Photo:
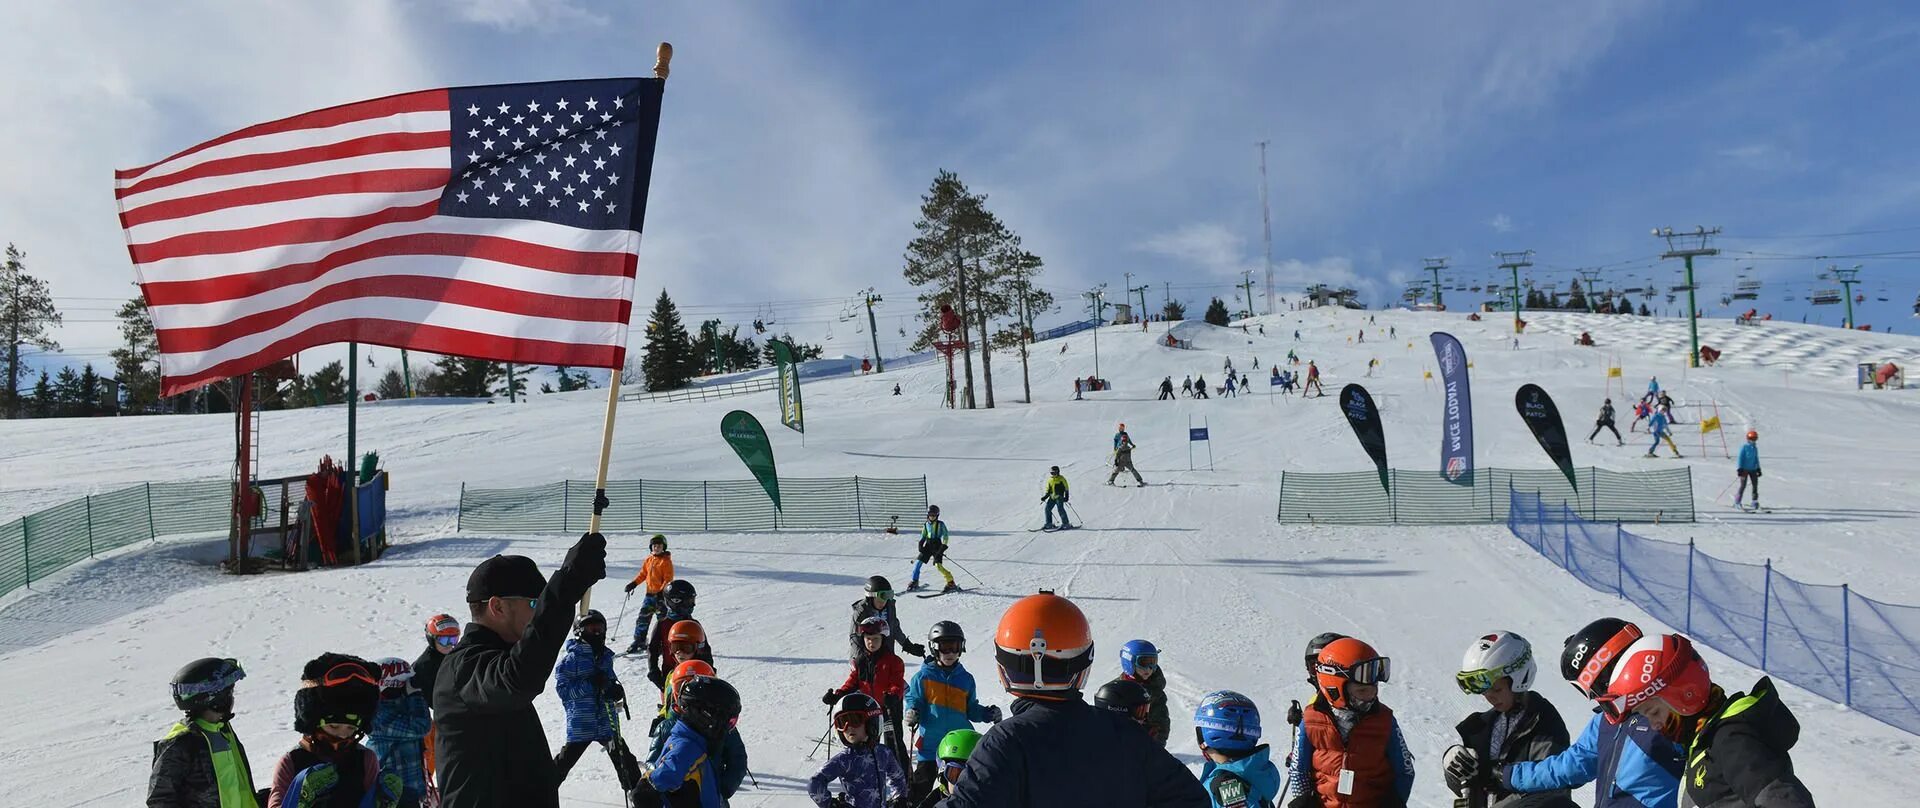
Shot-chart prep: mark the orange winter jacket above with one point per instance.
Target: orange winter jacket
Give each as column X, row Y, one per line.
column 655, row 573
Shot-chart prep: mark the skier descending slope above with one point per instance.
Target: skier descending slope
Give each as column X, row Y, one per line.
column 879, row 601
column 1123, row 447
column 933, row 547
column 1749, row 470
column 1056, row 499
column 1057, row 750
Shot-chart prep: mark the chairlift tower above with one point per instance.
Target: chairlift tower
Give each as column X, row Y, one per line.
column 1685, row 246
column 1846, row 278
column 1266, row 228
column 1434, row 265
column 1514, row 262
column 870, row 298
column 1590, row 277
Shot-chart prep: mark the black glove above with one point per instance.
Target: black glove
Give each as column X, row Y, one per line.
column 631, row 585
column 658, row 678
column 1307, row 799
column 586, row 564
column 1294, row 716
column 916, row 650
column 600, row 501
column 831, row 697
column 614, row 693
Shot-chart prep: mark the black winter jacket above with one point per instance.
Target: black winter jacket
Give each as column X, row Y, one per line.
column 183, row 775
column 863, row 609
column 1739, row 756
column 1540, row 734
column 490, row 749
column 1066, row 753
column 425, row 669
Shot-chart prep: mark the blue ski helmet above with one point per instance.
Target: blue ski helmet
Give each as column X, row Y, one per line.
column 1133, row 650
column 1227, row 721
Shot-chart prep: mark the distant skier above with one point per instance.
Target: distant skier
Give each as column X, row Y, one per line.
column 1056, row 498
column 933, row 547
column 1123, row 447
column 1665, row 404
column 1231, row 387
column 1658, row 426
column 1256, row 363
column 655, row 573
column 1186, row 387
column 1642, row 410
column 896, row 389
column 1605, row 421
column 1313, row 380
column 1166, row 388
column 1200, row 387
column 1749, row 470
column 1653, row 387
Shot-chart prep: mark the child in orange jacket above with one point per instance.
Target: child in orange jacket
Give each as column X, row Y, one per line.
column 655, row 573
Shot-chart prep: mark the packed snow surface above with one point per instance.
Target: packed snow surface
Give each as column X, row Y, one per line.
column 1195, row 562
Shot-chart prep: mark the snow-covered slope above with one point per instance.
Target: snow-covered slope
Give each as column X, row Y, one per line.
column 1197, row 565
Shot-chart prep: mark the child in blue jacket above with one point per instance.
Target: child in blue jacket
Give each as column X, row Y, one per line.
column 591, row 694
column 941, row 698
column 1238, row 772
column 686, row 773
column 1631, row 764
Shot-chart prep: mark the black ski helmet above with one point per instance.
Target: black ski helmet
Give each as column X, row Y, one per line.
column 1124, row 696
column 857, row 702
column 1313, row 654
column 933, row 511
column 206, row 684
column 1582, row 647
column 943, row 631
column 878, row 583
column 679, row 596
column 709, row 705
column 592, row 617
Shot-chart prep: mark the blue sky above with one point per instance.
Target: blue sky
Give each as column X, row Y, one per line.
column 1115, row 137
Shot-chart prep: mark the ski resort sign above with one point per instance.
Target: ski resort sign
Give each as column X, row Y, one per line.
column 1456, row 425
column 1543, row 419
column 748, row 438
column 791, row 416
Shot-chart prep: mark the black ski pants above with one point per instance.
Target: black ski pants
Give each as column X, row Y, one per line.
column 1606, row 425
column 624, row 765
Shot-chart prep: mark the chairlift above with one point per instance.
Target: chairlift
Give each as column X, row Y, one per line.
column 1683, row 287
column 1826, row 297
column 1746, row 295
column 1748, row 286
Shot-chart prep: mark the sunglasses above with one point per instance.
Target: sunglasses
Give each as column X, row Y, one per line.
column 347, row 672
column 446, row 642
column 1474, row 683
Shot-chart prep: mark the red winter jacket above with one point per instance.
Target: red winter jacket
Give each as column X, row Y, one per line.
column 877, row 675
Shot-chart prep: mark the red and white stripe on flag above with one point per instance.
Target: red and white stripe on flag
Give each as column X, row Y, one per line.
column 499, row 222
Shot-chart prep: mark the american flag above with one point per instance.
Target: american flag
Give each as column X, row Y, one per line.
column 498, row 222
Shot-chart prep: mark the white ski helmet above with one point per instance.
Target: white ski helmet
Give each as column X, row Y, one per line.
column 1502, row 653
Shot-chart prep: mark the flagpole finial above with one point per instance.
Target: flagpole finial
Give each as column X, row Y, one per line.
column 663, row 61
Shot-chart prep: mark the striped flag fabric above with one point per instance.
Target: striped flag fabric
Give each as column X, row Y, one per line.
column 497, row 222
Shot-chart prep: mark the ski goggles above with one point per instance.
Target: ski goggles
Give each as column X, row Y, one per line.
column 1474, row 683
column 1366, row 672
column 1148, row 661
column 228, row 675
column 445, row 641
column 1588, row 680
column 347, row 672
column 951, row 769
column 881, row 594
column 853, row 718
column 949, row 646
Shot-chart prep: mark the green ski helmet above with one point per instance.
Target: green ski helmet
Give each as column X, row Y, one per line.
column 958, row 744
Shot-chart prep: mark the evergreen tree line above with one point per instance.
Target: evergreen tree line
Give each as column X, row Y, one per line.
column 672, row 357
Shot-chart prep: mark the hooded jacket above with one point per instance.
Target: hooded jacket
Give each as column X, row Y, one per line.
column 945, row 699
column 1055, row 753
column 1631, row 764
column 685, row 763
column 581, row 680
column 1739, row 757
column 1250, row 782
column 1538, row 734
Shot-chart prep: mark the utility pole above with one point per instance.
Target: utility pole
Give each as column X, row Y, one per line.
column 712, row 327
column 1591, row 277
column 1434, row 265
column 1266, row 228
column 1514, row 262
column 1846, row 278
column 1127, row 299
column 1167, row 288
column 1142, row 291
column 1247, row 284
column 1686, row 246
column 871, row 298
column 1097, row 301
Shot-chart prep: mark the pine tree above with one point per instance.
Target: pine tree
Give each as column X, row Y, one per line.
column 136, row 363
column 27, row 317
column 43, row 403
column 460, row 377
column 1577, row 298
column 571, row 379
column 392, row 385
column 87, row 404
column 1644, row 312
column 512, row 385
column 1174, row 310
column 66, row 393
column 938, row 258
column 1217, row 313
column 328, row 385
column 669, row 360
column 801, row 351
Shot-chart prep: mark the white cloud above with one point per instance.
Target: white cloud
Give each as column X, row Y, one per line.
column 1501, row 223
column 517, row 14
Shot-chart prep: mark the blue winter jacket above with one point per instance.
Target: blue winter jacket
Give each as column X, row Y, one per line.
column 731, row 768
column 1056, row 753
column 1659, row 424
column 1749, row 457
column 1630, row 764
column 1250, row 782
column 870, row 773
column 946, row 700
column 398, row 739
column 684, row 762
column 589, row 716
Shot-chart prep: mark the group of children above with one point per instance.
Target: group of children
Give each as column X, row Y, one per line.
column 1656, row 408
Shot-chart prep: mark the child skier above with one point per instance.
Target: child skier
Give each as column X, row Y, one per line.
column 1522, row 725
column 1140, row 662
column 400, row 726
column 591, row 694
column 443, row 633
column 1351, row 751
column 1200, row 387
column 731, row 766
column 686, row 640
column 1237, row 772
column 1127, row 697
column 940, row 699
column 655, row 573
column 686, row 772
column 1186, row 387
column 1737, row 746
column 1123, row 447
column 879, row 601
column 868, row 773
column 1749, row 470
column 1605, row 421
column 1658, row 426
column 933, row 547
column 879, row 673
column 1056, row 499
column 676, row 604
column 954, row 751
column 1313, row 380
column 663, row 720
column 200, row 763
column 332, row 711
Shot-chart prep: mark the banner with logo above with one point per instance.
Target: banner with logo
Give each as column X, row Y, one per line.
column 1456, row 413
column 749, row 440
column 1543, row 418
column 1364, row 417
column 791, row 415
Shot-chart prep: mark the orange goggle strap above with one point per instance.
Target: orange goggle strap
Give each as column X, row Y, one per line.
column 347, row 672
column 1597, row 664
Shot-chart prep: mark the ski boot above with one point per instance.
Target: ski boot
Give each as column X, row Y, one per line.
column 950, row 587
column 914, row 586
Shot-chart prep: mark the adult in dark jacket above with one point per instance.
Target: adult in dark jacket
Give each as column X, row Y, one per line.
column 1056, row 750
column 1522, row 725
column 1738, row 758
column 880, row 601
column 491, row 750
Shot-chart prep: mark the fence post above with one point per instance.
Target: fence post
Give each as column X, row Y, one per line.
column 26, row 548
column 460, row 511
column 1766, row 598
column 90, row 526
column 154, row 535
column 859, row 516
column 705, row 506
column 1846, row 639
column 566, row 503
column 1566, row 537
column 1689, row 625
column 1619, row 562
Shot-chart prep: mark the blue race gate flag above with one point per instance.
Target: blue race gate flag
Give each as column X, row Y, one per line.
column 1197, row 433
column 1456, row 423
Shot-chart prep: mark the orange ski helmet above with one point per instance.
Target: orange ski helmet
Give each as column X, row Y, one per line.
column 1348, row 661
column 1044, row 647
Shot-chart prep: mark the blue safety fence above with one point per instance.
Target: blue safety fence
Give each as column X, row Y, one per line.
column 1847, row 647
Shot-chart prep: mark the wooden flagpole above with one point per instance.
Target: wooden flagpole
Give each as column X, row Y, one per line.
column 661, row 66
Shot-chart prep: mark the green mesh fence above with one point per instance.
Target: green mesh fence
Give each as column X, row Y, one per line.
column 1429, row 498
column 674, row 506
column 37, row 545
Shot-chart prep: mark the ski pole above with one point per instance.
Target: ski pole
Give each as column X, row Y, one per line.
column 826, row 738
column 976, row 578
column 623, row 611
column 1286, row 785
column 1076, row 513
